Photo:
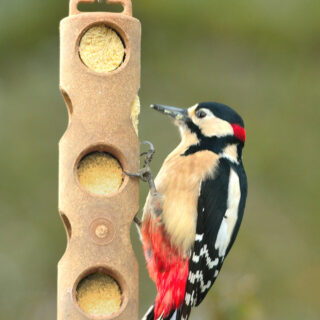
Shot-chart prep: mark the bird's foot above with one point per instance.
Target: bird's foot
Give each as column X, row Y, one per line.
column 145, row 173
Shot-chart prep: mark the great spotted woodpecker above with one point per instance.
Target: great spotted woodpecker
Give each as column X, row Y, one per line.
column 194, row 208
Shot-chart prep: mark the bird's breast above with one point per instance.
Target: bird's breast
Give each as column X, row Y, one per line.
column 179, row 182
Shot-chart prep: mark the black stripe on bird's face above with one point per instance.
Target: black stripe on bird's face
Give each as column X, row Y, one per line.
column 215, row 125
column 215, row 120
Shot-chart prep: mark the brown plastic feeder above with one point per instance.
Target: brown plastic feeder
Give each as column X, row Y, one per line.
column 99, row 80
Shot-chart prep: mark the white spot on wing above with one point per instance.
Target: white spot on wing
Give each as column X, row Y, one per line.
column 199, row 237
column 196, row 277
column 205, row 286
column 204, row 252
column 187, row 298
column 195, row 258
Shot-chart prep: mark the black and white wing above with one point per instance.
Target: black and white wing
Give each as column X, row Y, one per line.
column 220, row 210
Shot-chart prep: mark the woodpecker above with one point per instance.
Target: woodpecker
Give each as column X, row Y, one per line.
column 194, row 208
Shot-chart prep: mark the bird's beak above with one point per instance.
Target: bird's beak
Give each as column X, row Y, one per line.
column 176, row 113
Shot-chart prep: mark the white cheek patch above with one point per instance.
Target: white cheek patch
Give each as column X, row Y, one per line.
column 210, row 125
column 215, row 127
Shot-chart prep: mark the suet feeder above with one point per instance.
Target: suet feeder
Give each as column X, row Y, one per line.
column 99, row 80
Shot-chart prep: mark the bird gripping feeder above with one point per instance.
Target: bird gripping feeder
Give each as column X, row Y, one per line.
column 99, row 80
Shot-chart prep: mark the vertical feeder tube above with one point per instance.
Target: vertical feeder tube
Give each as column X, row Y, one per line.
column 99, row 80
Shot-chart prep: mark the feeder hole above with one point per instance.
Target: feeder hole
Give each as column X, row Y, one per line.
column 100, row 173
column 67, row 101
column 101, row 49
column 67, row 225
column 99, row 294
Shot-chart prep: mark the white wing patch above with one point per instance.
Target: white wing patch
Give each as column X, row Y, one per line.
column 198, row 276
column 195, row 258
column 231, row 215
column 204, row 252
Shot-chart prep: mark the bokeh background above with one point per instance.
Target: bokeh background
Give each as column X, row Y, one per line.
column 260, row 57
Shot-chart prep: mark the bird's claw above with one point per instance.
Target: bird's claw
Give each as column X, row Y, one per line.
column 149, row 154
column 145, row 173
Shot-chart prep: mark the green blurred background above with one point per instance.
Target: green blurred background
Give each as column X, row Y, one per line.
column 260, row 57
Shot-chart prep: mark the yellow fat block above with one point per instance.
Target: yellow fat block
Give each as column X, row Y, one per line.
column 101, row 49
column 99, row 294
column 135, row 111
column 100, row 173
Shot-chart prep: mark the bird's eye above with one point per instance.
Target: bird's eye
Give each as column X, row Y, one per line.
column 201, row 114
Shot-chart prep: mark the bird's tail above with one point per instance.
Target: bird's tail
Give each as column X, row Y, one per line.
column 175, row 315
column 149, row 314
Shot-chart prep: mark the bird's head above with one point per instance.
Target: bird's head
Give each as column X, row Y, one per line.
column 209, row 125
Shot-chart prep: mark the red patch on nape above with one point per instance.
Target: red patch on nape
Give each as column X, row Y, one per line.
column 239, row 132
column 167, row 268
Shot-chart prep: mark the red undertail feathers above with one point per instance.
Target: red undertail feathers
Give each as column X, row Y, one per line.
column 167, row 268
